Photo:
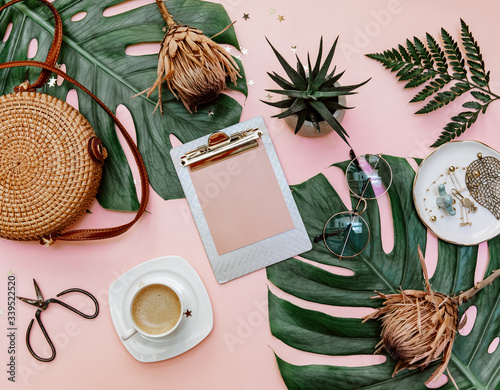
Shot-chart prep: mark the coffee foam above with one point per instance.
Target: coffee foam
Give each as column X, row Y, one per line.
column 156, row 309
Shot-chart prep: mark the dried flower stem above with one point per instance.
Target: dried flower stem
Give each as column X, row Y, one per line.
column 419, row 327
column 164, row 13
column 193, row 66
column 465, row 296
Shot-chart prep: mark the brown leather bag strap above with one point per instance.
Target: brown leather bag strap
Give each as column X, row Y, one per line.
column 54, row 50
column 96, row 234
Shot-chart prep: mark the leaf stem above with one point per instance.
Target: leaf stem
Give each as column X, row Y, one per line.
column 488, row 91
column 465, row 296
column 164, row 12
column 466, row 371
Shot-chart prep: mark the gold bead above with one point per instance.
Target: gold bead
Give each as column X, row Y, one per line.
column 452, row 169
column 433, row 218
column 476, row 174
column 480, row 155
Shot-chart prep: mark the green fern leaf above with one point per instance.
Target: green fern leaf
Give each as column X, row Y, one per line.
column 424, row 53
column 485, row 98
column 414, row 54
column 404, row 53
column 451, row 49
column 473, row 105
column 456, row 128
column 382, row 58
column 407, row 68
column 474, row 56
column 412, row 73
column 433, row 87
column 417, row 81
column 460, row 88
column 437, row 54
column 439, row 100
column 433, row 67
column 478, row 74
column 396, row 55
column 479, row 81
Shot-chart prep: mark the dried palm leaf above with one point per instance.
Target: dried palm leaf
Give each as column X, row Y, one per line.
column 419, row 327
column 193, row 66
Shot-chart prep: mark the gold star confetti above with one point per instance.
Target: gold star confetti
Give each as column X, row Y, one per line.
column 271, row 11
column 52, row 82
column 281, row 18
column 246, row 16
column 269, row 96
column 188, row 313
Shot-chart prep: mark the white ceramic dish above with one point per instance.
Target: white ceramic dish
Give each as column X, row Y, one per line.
column 176, row 271
column 484, row 225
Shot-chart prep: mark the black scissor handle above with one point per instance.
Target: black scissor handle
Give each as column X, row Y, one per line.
column 79, row 290
column 49, row 341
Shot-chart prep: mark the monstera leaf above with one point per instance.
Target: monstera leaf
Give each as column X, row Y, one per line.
column 93, row 52
column 471, row 365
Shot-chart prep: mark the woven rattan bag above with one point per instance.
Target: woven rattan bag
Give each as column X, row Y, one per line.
column 51, row 161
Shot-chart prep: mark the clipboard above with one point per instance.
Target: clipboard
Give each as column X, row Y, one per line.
column 240, row 200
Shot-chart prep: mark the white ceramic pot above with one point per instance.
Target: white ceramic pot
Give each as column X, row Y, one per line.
column 308, row 129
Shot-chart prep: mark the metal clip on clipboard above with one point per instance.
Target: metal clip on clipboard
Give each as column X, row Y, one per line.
column 220, row 147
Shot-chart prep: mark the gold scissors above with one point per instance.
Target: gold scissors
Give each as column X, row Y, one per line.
column 42, row 306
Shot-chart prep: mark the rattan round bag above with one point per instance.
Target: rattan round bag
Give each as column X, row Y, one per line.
column 51, row 165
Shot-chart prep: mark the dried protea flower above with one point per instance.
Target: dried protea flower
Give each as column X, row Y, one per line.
column 194, row 67
column 419, row 327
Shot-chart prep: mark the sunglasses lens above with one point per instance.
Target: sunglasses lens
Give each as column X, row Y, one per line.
column 346, row 234
column 364, row 176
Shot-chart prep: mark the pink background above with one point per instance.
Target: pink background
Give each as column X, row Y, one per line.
column 239, row 352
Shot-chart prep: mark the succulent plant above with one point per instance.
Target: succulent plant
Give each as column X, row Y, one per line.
column 312, row 95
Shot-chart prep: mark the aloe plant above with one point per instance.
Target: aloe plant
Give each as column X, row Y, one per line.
column 471, row 365
column 93, row 51
column 437, row 68
column 312, row 95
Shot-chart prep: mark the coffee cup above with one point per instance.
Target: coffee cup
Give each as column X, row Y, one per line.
column 155, row 311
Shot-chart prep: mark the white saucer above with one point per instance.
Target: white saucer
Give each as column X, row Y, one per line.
column 459, row 154
column 177, row 272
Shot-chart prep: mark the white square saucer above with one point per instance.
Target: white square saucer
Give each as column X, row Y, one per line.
column 197, row 322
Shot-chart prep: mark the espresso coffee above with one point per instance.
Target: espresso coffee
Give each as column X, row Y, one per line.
column 156, row 309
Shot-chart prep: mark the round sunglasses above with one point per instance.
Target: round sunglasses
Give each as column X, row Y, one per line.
column 346, row 234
